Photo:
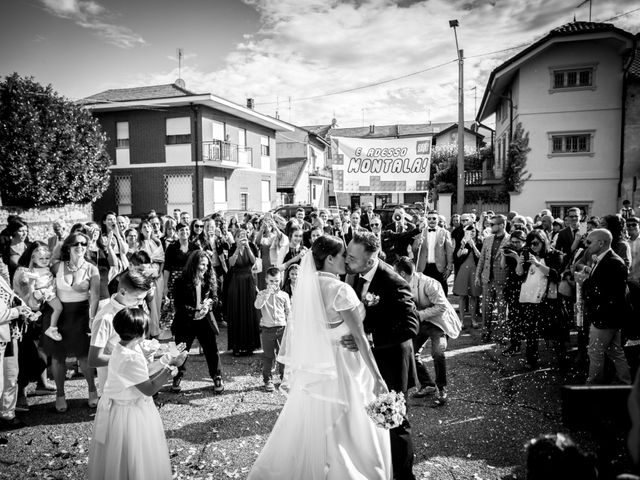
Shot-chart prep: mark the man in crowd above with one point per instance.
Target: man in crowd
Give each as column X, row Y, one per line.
column 60, row 231
column 570, row 238
column 633, row 229
column 438, row 320
column 299, row 221
column 627, row 211
column 433, row 251
column 353, row 228
column 492, row 276
column 367, row 216
column 605, row 306
column 185, row 217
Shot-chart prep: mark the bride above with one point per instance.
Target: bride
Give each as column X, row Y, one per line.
column 323, row 431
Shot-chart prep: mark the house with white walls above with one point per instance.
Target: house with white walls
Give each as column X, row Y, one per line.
column 568, row 91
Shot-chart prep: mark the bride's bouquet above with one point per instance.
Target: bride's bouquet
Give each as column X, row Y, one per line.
column 387, row 410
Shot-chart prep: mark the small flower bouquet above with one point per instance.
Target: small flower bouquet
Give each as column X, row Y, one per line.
column 387, row 410
column 370, row 299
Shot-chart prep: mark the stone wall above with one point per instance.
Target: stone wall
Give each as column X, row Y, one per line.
column 41, row 219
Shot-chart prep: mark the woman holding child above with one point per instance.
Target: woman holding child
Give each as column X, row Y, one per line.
column 78, row 288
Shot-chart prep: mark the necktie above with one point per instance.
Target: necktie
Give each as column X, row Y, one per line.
column 432, row 229
column 360, row 281
column 575, row 232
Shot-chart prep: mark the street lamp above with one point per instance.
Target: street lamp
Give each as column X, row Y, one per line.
column 460, row 196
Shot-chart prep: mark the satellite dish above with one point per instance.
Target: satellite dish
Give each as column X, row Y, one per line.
column 179, row 83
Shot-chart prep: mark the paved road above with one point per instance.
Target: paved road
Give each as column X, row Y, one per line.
column 495, row 407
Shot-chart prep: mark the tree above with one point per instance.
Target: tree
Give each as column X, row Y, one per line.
column 52, row 151
column 444, row 167
column 515, row 173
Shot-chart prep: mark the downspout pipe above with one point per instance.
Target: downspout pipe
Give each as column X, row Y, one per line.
column 625, row 76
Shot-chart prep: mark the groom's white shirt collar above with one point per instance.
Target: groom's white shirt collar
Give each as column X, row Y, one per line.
column 369, row 276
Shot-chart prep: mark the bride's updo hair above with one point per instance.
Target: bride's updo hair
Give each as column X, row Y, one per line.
column 323, row 247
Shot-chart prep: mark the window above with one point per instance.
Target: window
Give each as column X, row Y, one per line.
column 123, row 194
column 178, row 192
column 265, row 195
column 244, row 201
column 178, row 130
column 264, row 146
column 122, row 134
column 576, row 77
column 571, row 143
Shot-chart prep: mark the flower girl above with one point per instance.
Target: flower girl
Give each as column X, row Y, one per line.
column 128, row 439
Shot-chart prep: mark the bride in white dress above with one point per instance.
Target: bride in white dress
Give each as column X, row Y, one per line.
column 323, row 431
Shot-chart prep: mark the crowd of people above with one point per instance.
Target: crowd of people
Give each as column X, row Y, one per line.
column 83, row 292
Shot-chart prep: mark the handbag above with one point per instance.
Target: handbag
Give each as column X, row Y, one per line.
column 534, row 287
column 257, row 266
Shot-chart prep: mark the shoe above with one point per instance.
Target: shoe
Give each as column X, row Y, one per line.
column 11, row 424
column 218, row 386
column 44, row 390
column 442, row 398
column 61, row 404
column 93, row 399
column 22, row 405
column 175, row 386
column 425, row 391
column 52, row 332
column 269, row 386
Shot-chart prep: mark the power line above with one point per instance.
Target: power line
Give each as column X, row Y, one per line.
column 393, row 79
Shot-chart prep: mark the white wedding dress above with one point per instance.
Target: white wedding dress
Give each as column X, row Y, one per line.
column 323, row 431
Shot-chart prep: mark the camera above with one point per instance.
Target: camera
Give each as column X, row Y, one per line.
column 397, row 217
column 508, row 249
column 526, row 252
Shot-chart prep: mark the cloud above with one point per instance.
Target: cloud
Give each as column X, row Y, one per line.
column 93, row 16
column 307, row 50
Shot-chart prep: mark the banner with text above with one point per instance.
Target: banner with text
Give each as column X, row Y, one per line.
column 390, row 165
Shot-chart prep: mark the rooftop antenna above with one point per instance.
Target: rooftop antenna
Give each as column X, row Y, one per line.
column 179, row 64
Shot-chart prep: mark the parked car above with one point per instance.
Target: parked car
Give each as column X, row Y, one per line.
column 288, row 211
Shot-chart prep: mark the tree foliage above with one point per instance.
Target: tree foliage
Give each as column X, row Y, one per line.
column 52, row 151
column 444, row 166
column 515, row 172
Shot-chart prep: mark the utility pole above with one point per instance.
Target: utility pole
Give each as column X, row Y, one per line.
column 460, row 184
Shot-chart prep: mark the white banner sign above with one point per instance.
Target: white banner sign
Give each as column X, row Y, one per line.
column 389, row 165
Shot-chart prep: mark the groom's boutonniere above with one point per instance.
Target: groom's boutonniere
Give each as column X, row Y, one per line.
column 371, row 299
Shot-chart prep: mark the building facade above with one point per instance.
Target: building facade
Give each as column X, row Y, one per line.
column 567, row 92
column 304, row 176
column 174, row 149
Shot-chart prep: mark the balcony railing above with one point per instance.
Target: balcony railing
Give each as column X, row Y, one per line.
column 473, row 177
column 227, row 153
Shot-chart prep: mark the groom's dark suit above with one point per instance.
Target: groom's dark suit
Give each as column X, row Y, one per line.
column 393, row 322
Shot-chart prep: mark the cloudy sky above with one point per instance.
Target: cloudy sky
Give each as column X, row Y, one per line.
column 362, row 61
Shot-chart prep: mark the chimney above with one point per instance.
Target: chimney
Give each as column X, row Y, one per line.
column 250, row 103
column 372, row 129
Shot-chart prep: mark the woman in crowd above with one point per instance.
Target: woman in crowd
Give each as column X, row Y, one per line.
column 175, row 259
column 195, row 297
column 131, row 236
column 233, row 225
column 270, row 241
column 148, row 242
column 18, row 231
column 31, row 362
column 103, row 255
column 242, row 317
column 78, row 288
column 295, row 252
column 196, row 233
column 111, row 234
column 170, row 235
column 218, row 250
column 541, row 315
column 465, row 259
column 509, row 261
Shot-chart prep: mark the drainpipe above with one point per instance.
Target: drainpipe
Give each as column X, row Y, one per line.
column 624, row 114
column 198, row 152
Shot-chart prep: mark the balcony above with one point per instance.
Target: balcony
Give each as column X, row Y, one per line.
column 225, row 154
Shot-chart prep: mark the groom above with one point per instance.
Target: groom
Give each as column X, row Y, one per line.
column 392, row 321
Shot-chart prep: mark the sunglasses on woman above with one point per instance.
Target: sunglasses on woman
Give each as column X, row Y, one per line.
column 79, row 244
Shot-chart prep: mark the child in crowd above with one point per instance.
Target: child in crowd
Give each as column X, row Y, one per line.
column 133, row 287
column 39, row 283
column 276, row 308
column 128, row 438
column 292, row 278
